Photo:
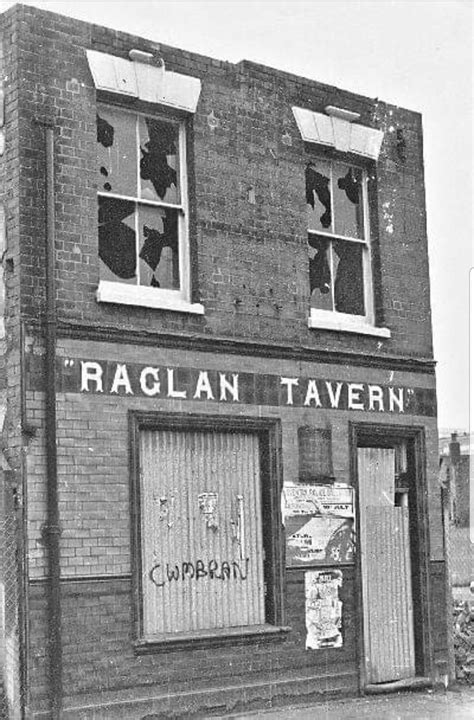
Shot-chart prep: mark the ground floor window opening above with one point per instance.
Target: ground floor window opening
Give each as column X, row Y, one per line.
column 206, row 530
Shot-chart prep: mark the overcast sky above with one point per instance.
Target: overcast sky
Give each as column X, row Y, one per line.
column 414, row 53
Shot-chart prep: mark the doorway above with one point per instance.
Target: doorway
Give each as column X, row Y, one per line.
column 386, row 569
column 392, row 559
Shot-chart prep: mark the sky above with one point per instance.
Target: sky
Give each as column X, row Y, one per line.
column 412, row 53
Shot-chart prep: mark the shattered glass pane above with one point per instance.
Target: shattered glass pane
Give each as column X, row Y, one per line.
column 159, row 250
column 318, row 196
column 117, row 246
column 348, row 277
column 348, row 206
column 159, row 160
column 320, row 273
column 117, row 152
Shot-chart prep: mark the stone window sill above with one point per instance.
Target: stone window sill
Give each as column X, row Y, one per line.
column 246, row 634
column 122, row 294
column 317, row 322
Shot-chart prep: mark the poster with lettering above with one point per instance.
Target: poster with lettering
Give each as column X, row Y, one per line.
column 323, row 609
column 319, row 522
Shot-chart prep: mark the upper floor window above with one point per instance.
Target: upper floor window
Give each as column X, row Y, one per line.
column 143, row 210
column 339, row 245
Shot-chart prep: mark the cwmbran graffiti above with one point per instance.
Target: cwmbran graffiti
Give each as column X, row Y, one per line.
column 197, row 570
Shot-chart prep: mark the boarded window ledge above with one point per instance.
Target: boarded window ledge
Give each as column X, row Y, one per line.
column 112, row 292
column 242, row 635
column 344, row 323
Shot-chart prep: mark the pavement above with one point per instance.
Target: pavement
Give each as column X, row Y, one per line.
column 453, row 704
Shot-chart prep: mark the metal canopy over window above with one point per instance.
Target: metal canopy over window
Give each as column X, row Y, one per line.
column 144, row 81
column 337, row 130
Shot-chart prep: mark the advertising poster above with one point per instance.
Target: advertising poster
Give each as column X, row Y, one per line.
column 319, row 522
column 323, row 609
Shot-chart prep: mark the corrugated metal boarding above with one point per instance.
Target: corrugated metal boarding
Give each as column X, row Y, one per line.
column 201, row 531
column 386, row 572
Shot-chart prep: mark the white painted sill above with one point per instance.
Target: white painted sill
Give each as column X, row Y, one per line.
column 111, row 292
column 341, row 325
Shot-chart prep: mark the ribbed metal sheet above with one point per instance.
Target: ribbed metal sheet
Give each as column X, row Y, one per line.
column 183, row 474
column 376, row 476
column 391, row 646
column 386, row 572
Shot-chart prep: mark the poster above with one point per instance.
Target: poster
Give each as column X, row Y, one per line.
column 319, row 521
column 323, row 609
column 337, row 499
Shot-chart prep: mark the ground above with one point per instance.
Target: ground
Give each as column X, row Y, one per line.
column 455, row 704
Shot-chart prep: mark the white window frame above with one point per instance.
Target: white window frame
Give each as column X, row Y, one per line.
column 140, row 295
column 332, row 319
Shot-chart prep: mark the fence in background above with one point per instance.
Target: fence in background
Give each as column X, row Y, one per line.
column 11, row 687
column 459, row 554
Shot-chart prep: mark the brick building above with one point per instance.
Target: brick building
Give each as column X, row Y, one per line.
column 220, row 442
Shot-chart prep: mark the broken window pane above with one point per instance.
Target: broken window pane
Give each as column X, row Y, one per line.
column 117, row 244
column 117, row 152
column 320, row 273
column 159, row 160
column 139, row 164
column 318, row 196
column 348, row 277
column 347, row 197
column 159, row 250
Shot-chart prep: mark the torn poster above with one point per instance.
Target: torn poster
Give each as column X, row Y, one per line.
column 336, row 500
column 323, row 609
column 319, row 524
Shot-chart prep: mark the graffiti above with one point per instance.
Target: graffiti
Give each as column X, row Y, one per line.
column 208, row 506
column 212, row 570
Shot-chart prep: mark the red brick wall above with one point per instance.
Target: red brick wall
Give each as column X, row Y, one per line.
column 251, row 258
column 93, row 448
column 251, row 275
column 96, row 559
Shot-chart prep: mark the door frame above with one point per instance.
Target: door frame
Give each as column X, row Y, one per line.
column 268, row 430
column 381, row 435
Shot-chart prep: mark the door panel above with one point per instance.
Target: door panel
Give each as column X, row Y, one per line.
column 386, row 572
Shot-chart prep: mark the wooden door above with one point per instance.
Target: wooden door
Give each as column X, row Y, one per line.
column 386, row 571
